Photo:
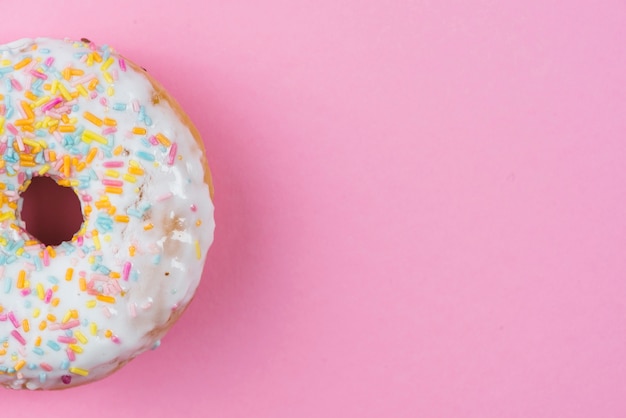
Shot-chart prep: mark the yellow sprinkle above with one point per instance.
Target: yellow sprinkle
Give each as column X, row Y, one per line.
column 75, row 348
column 64, row 92
column 110, row 91
column 89, row 136
column 80, row 337
column 106, row 64
column 26, row 325
column 107, row 77
column 111, row 173
column 40, row 291
column 91, row 304
column 139, row 130
column 66, row 317
column 41, row 101
column 105, row 298
column 19, row 251
column 93, row 329
column 36, row 312
column 44, row 169
column 93, row 118
column 130, row 178
column 198, row 251
column 68, row 274
column 23, row 63
column 51, row 251
column 121, row 218
column 81, row 89
column 79, row 371
column 19, row 365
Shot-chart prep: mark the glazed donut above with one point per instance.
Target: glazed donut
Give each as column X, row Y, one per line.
column 92, row 121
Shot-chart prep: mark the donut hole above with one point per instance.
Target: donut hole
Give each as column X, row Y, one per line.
column 51, row 212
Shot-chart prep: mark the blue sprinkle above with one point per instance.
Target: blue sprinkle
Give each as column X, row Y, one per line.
column 119, row 106
column 38, row 350
column 8, row 284
column 42, row 377
column 145, row 155
column 11, row 259
column 156, row 259
column 147, row 120
column 44, row 50
column 32, row 366
column 53, row 280
column 53, row 345
column 134, row 213
column 10, row 112
column 156, row 344
column 65, row 364
column 28, row 304
column 4, row 369
column 7, row 85
column 5, row 70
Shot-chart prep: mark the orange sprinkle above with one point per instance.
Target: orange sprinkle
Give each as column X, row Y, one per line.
column 21, row 277
column 139, row 131
column 110, row 122
column 26, row 325
column 148, row 227
column 163, row 139
column 82, row 284
column 93, row 118
column 135, row 170
column 23, row 63
column 118, row 150
column 113, row 189
column 43, row 325
column 55, row 302
column 91, row 155
column 30, row 95
column 67, row 128
column 68, row 274
column 122, row 218
column 131, row 250
column 66, row 165
column 105, row 298
column 51, row 318
column 38, row 339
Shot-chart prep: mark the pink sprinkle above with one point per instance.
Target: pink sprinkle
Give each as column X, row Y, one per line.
column 16, row 84
column 13, row 320
column 133, row 309
column 83, row 80
column 79, row 239
column 46, row 367
column 87, row 198
column 172, row 154
column 51, row 104
column 103, row 101
column 70, row 324
column 25, row 292
column 93, row 94
column 153, row 140
column 18, row 337
column 113, row 164
column 3, row 109
column 114, row 74
column 122, row 64
column 193, row 208
column 48, row 296
column 70, row 355
column 49, row 61
column 3, row 147
column 106, row 312
column 21, row 176
column 46, row 259
column 66, row 340
column 3, row 317
column 20, row 143
column 12, row 129
column 109, row 130
column 115, row 339
column 135, row 104
column 126, row 270
column 164, row 197
column 116, row 183
column 37, row 74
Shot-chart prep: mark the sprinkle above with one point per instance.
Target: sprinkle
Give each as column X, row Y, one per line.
column 23, row 63
column 171, row 156
column 18, row 337
column 198, row 251
column 126, row 270
column 93, row 118
column 105, row 298
column 68, row 274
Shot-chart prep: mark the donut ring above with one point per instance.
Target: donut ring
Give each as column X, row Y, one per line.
column 91, row 120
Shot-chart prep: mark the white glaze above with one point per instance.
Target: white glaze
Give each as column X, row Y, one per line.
column 155, row 289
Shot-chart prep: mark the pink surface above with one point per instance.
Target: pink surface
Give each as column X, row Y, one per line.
column 421, row 207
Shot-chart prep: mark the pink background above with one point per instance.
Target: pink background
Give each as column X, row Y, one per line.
column 421, row 207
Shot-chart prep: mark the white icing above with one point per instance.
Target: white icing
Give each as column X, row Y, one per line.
column 166, row 266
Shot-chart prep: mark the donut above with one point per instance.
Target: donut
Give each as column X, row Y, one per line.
column 92, row 122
